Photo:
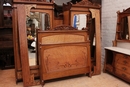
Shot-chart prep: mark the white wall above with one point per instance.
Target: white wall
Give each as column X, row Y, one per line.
column 109, row 20
column 60, row 2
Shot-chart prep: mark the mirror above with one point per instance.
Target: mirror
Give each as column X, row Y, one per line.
column 36, row 20
column 125, row 28
column 80, row 21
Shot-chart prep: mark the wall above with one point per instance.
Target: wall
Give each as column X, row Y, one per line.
column 109, row 20
column 60, row 2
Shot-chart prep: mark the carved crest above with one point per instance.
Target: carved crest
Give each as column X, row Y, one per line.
column 64, row 27
column 87, row 3
column 126, row 11
column 84, row 2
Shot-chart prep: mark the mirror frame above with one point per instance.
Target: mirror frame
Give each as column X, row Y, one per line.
column 87, row 7
column 20, row 11
column 121, row 15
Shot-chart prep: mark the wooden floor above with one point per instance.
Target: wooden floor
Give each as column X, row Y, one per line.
column 7, row 79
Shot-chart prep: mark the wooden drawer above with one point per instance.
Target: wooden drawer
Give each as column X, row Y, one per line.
column 122, row 59
column 122, row 74
column 123, row 68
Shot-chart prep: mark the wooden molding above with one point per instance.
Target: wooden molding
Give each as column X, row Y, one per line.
column 84, row 2
column 63, row 27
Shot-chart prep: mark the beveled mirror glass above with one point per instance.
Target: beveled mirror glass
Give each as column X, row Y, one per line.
column 36, row 20
column 125, row 28
column 80, row 21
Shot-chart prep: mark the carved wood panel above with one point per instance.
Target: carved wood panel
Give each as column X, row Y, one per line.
column 65, row 58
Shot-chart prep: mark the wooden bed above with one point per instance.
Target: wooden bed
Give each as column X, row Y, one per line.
column 63, row 53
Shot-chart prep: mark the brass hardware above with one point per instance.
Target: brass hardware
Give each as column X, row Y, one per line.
column 125, row 62
column 123, row 75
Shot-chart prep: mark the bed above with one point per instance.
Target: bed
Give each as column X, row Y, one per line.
column 63, row 51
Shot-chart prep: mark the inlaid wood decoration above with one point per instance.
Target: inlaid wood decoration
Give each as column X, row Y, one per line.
column 64, row 58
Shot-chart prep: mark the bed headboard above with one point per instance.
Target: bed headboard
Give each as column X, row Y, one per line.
column 60, row 34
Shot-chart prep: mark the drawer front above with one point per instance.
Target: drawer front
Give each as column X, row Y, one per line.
column 122, row 59
column 122, row 74
column 123, row 68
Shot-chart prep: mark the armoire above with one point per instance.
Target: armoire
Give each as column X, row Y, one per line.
column 6, row 36
column 24, row 10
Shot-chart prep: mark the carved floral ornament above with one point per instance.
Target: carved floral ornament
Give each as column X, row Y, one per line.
column 64, row 27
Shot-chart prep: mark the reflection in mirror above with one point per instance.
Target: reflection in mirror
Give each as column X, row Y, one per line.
column 36, row 20
column 79, row 21
column 125, row 28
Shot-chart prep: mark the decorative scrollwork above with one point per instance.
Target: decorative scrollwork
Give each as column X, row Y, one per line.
column 33, row 81
column 28, row 8
column 84, row 2
column 19, row 75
